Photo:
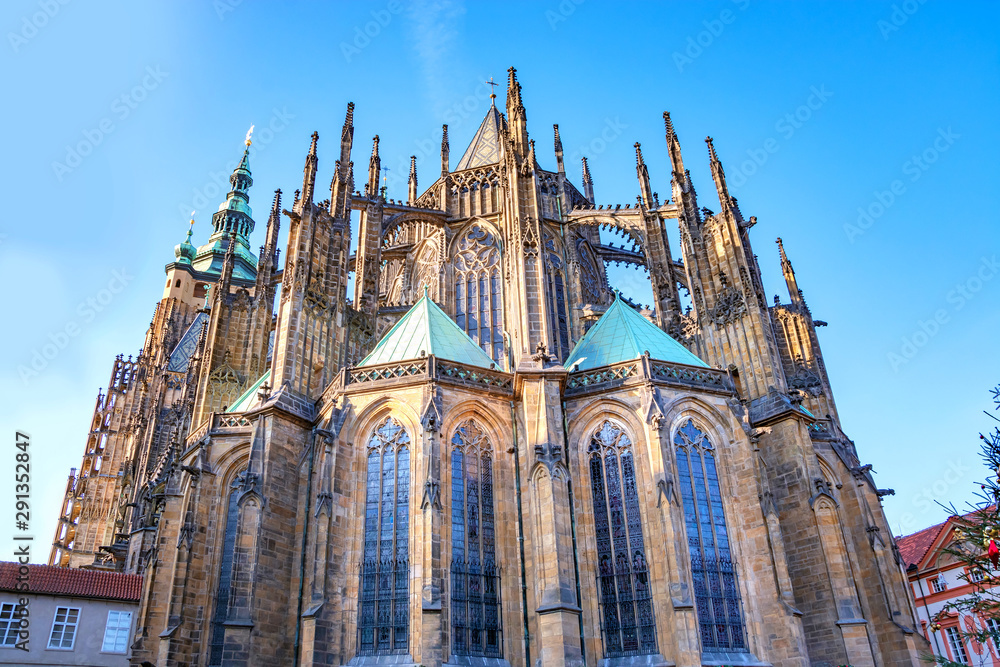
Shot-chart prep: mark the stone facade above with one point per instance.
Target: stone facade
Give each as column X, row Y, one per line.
column 424, row 511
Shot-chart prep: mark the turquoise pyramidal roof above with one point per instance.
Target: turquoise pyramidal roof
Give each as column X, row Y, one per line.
column 426, row 330
column 622, row 334
column 249, row 398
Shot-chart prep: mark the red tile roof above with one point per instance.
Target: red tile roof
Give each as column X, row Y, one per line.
column 49, row 580
column 914, row 547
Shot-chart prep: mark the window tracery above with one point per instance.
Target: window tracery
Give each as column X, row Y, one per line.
column 476, row 627
column 383, row 616
column 717, row 595
column 627, row 622
column 478, row 305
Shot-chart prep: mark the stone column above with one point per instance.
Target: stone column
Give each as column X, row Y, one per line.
column 549, row 521
column 432, row 649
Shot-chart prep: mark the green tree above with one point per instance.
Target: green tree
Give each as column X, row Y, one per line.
column 976, row 544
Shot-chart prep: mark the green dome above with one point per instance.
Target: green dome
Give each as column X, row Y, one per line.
column 185, row 252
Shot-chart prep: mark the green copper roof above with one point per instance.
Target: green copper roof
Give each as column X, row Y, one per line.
column 623, row 334
column 485, row 146
column 426, row 330
column 249, row 398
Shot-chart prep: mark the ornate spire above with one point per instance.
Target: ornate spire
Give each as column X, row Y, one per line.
column 516, row 115
column 727, row 202
column 444, row 150
column 235, row 215
column 309, row 173
column 588, row 184
column 794, row 293
column 559, row 151
column 374, row 169
column 673, row 147
column 347, row 135
column 267, row 261
column 342, row 184
column 412, row 182
column 643, row 174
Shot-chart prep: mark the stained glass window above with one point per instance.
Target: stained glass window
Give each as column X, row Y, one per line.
column 383, row 618
column 477, row 290
column 226, row 570
column 476, row 627
column 625, row 599
column 716, row 588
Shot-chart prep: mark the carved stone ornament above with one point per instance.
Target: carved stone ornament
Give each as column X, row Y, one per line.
column 729, row 307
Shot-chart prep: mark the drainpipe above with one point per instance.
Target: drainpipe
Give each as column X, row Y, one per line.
column 572, row 523
column 520, row 540
column 305, row 539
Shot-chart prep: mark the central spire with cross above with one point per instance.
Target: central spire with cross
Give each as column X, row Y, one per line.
column 493, row 93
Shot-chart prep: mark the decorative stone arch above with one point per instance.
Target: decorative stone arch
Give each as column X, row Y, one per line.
column 825, row 485
column 584, row 422
column 495, row 425
column 410, row 217
column 474, row 277
column 451, row 245
column 425, row 268
column 358, row 426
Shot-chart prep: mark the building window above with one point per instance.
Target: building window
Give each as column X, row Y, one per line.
column 938, row 584
column 10, row 622
column 628, row 627
column 558, row 322
column 958, row 653
column 64, row 628
column 475, row 579
column 116, row 632
column 478, row 304
column 383, row 622
column 226, row 570
column 717, row 595
column 974, row 576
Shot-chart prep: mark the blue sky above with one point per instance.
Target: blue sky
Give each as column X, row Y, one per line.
column 862, row 133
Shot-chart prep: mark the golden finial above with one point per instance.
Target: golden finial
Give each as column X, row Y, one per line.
column 249, row 132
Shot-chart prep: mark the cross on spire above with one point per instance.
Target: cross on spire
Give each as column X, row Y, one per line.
column 493, row 93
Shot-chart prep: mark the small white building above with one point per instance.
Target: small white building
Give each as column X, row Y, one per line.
column 937, row 578
column 63, row 616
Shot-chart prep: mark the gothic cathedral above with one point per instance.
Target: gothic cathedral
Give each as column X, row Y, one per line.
column 458, row 445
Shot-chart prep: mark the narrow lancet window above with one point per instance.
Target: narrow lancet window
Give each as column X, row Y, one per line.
column 716, row 588
column 383, row 617
column 225, row 570
column 476, row 628
column 625, row 599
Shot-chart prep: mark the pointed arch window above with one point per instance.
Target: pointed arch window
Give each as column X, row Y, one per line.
column 716, row 588
column 478, row 304
column 558, row 320
column 476, row 627
column 383, row 622
column 627, row 623
column 226, row 568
